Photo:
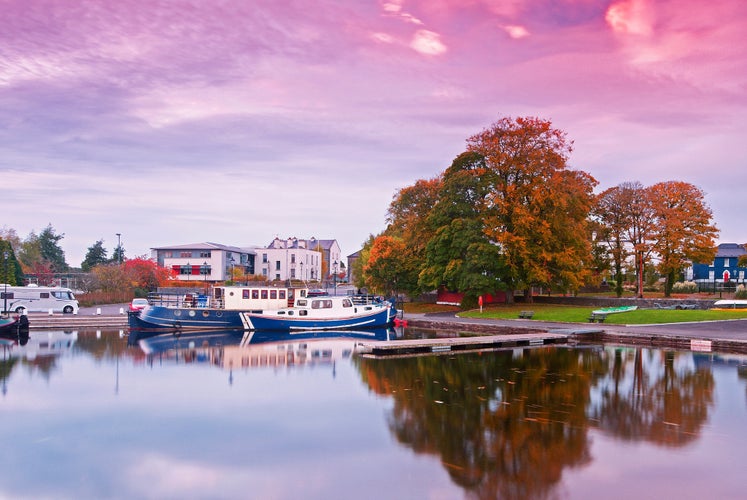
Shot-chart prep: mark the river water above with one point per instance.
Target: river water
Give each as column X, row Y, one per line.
column 90, row 414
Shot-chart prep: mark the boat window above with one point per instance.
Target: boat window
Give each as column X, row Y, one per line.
column 255, row 294
column 281, row 294
column 347, row 303
column 321, row 304
column 303, row 312
column 264, row 294
column 281, row 312
column 301, row 302
column 245, row 294
column 290, row 313
column 273, row 294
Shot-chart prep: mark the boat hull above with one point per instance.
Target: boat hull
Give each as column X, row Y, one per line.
column 380, row 317
column 165, row 319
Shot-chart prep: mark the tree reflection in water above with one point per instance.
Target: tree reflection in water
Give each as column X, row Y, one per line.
column 505, row 424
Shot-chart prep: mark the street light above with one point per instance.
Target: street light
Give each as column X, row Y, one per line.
column 205, row 272
column 232, row 263
column 335, row 278
column 119, row 247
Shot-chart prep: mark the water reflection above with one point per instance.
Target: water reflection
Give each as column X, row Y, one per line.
column 523, row 423
column 507, row 424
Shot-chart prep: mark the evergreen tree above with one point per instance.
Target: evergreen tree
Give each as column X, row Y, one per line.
column 51, row 251
column 95, row 255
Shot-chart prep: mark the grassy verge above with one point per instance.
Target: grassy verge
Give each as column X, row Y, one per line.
column 575, row 314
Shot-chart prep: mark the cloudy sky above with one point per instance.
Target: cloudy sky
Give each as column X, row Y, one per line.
column 233, row 121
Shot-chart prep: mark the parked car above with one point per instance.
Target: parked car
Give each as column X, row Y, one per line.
column 138, row 304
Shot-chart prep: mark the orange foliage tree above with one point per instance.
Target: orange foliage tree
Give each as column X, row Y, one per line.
column 385, row 263
column 538, row 208
column 146, row 274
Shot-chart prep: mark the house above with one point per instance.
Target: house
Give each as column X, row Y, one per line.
column 724, row 266
column 291, row 258
column 281, row 260
column 204, row 261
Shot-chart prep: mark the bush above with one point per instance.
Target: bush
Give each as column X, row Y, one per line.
column 685, row 287
column 741, row 292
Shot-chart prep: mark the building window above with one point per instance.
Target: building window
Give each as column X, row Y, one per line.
column 293, row 258
column 264, row 258
column 204, row 255
column 277, row 276
column 726, row 262
column 277, row 265
column 185, row 255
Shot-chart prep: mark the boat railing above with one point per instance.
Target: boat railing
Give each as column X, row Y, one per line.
column 366, row 299
column 180, row 300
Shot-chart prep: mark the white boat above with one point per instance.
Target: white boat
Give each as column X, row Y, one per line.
column 325, row 313
column 730, row 304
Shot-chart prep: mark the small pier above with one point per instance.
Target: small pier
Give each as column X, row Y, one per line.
column 459, row 344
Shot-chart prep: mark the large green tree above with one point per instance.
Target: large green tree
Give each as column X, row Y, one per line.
column 10, row 269
column 538, row 208
column 459, row 255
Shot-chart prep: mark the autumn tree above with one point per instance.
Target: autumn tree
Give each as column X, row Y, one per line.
column 146, row 274
column 537, row 209
column 610, row 212
column 683, row 231
column 95, row 255
column 385, row 266
column 408, row 223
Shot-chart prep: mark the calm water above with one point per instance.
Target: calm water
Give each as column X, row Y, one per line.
column 88, row 416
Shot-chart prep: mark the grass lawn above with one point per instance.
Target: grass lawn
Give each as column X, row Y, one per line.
column 575, row 314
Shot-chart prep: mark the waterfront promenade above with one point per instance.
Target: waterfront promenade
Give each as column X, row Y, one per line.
column 724, row 336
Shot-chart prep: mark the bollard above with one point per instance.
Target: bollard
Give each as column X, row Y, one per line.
column 121, row 310
column 98, row 311
column 75, row 313
column 51, row 312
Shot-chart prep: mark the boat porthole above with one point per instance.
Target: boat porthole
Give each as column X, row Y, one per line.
column 178, row 312
column 205, row 314
column 191, row 313
column 219, row 314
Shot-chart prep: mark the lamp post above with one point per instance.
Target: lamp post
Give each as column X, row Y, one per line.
column 5, row 275
column 232, row 263
column 335, row 277
column 205, row 273
column 119, row 247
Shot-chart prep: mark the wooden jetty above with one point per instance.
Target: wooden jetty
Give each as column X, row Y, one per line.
column 40, row 321
column 459, row 344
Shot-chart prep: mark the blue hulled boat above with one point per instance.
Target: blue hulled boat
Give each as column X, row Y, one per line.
column 325, row 313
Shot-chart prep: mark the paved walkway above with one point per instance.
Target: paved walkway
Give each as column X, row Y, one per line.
column 728, row 334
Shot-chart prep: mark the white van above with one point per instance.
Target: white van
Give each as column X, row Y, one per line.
column 34, row 298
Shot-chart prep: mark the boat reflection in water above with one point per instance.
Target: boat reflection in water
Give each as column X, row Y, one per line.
column 231, row 349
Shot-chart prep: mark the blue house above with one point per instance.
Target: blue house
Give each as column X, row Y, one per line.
column 724, row 266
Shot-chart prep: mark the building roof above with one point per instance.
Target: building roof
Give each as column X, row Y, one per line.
column 310, row 244
column 207, row 245
column 730, row 250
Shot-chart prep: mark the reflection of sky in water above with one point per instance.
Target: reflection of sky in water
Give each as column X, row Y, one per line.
column 94, row 423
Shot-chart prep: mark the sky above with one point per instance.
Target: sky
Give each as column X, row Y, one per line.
column 183, row 121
